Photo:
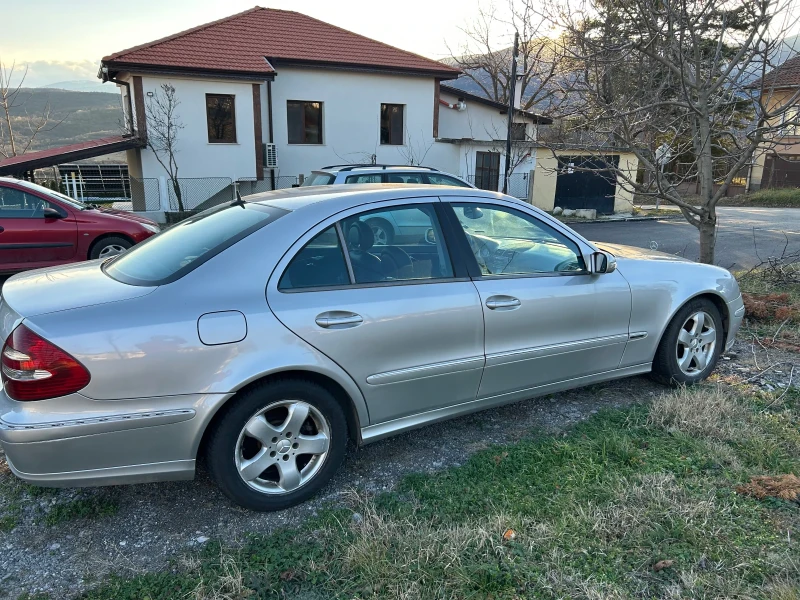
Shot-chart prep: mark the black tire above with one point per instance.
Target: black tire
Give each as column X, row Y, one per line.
column 383, row 225
column 665, row 364
column 109, row 243
column 221, row 448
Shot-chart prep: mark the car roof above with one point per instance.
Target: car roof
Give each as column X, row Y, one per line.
column 335, row 198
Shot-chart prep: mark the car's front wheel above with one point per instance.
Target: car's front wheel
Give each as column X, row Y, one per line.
column 110, row 246
column 278, row 444
column 691, row 345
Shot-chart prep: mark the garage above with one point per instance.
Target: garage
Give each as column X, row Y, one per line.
column 586, row 182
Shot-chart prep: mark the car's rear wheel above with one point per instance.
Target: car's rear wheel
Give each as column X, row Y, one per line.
column 110, row 246
column 278, row 444
column 691, row 345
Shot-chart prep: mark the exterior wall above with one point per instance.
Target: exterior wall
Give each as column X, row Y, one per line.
column 196, row 156
column 543, row 188
column 791, row 146
column 351, row 104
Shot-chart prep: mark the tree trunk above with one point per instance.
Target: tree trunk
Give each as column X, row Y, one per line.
column 708, row 239
column 177, row 187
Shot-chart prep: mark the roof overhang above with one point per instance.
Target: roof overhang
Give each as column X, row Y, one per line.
column 17, row 165
column 341, row 66
column 462, row 95
column 110, row 69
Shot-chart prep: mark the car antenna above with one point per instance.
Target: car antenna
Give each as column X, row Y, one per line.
column 238, row 201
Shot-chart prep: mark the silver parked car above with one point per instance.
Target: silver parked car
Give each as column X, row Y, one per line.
column 265, row 334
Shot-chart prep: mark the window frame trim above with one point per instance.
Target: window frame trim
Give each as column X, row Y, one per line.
column 472, row 264
column 322, row 135
column 310, row 234
column 233, row 114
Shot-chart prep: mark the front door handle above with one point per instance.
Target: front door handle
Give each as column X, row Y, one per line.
column 338, row 319
column 502, row 302
column 1, row 230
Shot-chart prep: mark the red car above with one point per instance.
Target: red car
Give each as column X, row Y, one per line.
column 42, row 228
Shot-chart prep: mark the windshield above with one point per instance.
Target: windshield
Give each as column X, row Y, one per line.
column 171, row 254
column 318, row 179
column 77, row 205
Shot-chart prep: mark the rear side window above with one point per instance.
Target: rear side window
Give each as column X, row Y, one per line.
column 318, row 179
column 173, row 253
column 363, row 178
column 319, row 264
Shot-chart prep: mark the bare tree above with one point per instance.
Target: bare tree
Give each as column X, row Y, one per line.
column 163, row 127
column 682, row 77
column 485, row 57
column 18, row 129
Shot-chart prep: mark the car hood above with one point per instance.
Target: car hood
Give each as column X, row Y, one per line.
column 63, row 288
column 632, row 253
column 128, row 216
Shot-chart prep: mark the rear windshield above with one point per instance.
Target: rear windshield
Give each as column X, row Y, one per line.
column 173, row 253
column 319, row 179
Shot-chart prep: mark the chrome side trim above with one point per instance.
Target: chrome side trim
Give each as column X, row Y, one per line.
column 78, row 427
column 638, row 335
column 379, row 431
column 431, row 370
column 553, row 349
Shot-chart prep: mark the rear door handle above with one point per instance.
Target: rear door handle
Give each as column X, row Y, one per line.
column 1, row 230
column 502, row 302
column 338, row 319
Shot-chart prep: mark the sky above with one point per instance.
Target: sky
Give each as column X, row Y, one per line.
column 62, row 40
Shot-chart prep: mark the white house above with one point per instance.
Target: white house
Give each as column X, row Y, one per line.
column 268, row 95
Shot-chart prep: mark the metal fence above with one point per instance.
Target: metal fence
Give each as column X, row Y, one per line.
column 199, row 193
column 145, row 194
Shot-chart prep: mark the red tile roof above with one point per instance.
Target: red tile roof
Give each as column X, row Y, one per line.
column 786, row 74
column 65, row 154
column 245, row 42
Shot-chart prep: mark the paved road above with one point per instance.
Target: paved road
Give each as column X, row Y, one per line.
column 744, row 235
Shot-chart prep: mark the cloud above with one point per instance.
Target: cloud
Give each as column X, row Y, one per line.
column 46, row 72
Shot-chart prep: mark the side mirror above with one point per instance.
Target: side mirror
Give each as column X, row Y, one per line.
column 603, row 262
column 52, row 213
column 473, row 212
column 430, row 236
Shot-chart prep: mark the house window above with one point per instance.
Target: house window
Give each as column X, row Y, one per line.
column 487, row 170
column 305, row 122
column 392, row 124
column 518, row 132
column 221, row 118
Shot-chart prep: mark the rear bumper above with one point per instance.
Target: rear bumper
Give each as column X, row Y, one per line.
column 736, row 312
column 124, row 441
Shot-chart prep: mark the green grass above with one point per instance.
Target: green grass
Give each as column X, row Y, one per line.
column 82, row 508
column 592, row 510
column 784, row 197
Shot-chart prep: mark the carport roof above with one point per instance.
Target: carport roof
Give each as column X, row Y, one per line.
column 17, row 165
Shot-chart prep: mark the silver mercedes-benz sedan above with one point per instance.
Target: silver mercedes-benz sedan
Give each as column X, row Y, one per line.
column 265, row 334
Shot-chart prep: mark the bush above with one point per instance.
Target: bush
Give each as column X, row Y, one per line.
column 789, row 197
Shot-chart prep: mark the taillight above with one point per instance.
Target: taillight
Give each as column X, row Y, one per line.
column 35, row 369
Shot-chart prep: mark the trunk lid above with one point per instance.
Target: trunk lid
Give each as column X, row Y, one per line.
column 63, row 288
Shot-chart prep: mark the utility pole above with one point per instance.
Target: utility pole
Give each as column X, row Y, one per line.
column 511, row 95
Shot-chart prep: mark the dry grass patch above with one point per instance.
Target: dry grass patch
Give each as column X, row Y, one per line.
column 708, row 412
column 784, row 487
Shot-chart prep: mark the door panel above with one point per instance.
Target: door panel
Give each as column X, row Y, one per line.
column 403, row 327
column 28, row 239
column 564, row 327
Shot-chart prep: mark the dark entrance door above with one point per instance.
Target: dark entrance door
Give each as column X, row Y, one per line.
column 781, row 171
column 576, row 188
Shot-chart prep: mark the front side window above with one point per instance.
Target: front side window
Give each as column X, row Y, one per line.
column 318, row 179
column 319, row 264
column 392, row 124
column 435, row 179
column 509, row 242
column 487, row 170
column 176, row 251
column 221, row 118
column 17, row 204
column 402, row 243
column 304, row 120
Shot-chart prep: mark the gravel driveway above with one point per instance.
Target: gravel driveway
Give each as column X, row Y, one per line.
column 53, row 549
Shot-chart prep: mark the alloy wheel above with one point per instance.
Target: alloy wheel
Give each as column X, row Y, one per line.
column 111, row 250
column 697, row 341
column 282, row 447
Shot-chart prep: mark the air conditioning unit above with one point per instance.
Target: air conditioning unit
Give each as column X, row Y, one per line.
column 270, row 152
